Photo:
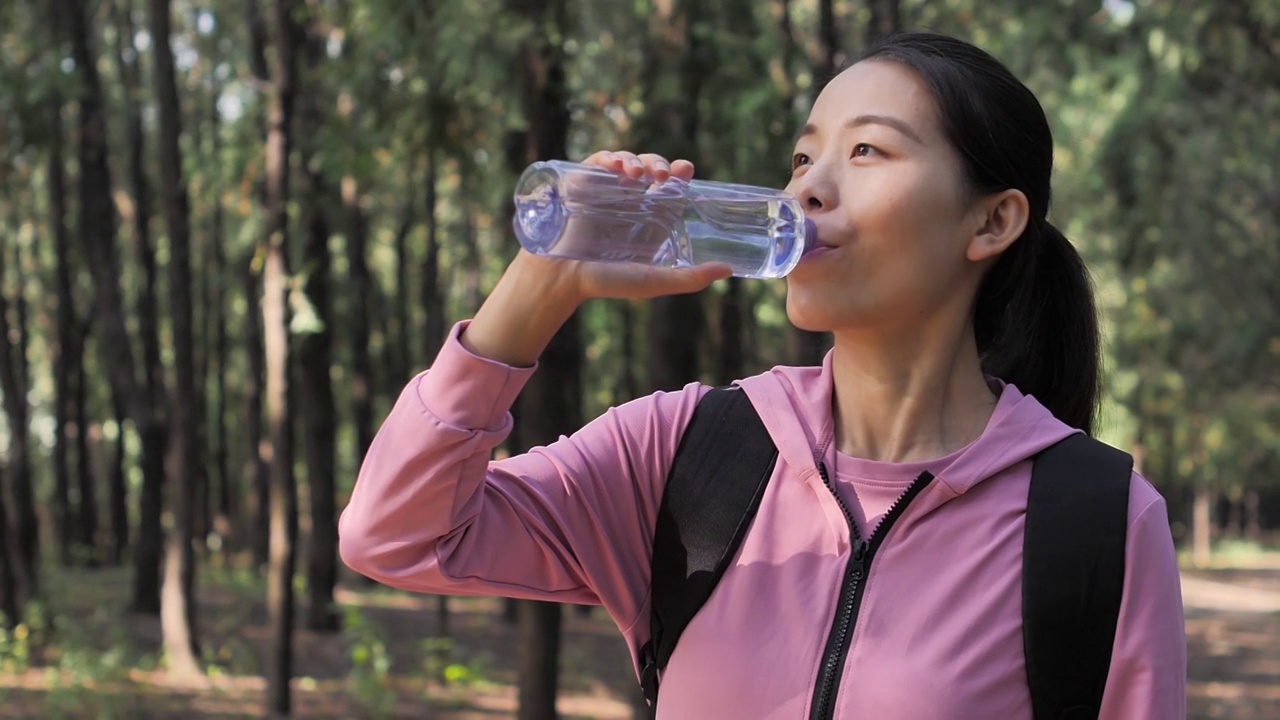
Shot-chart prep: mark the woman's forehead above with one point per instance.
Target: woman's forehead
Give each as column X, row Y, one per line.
column 878, row 88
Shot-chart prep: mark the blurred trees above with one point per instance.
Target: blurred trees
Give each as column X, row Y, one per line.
column 232, row 228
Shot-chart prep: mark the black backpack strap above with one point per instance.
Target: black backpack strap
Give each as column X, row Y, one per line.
column 1073, row 574
column 714, row 488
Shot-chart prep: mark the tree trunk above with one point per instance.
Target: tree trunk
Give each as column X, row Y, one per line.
column 628, row 388
column 118, row 491
column 729, row 365
column 1202, row 526
column 552, row 402
column 17, row 481
column 317, row 406
column 67, row 346
column 154, row 437
column 358, row 321
column 539, row 657
column 829, row 55
column 177, row 599
column 470, row 243
column 225, row 516
column 1252, row 517
column 11, row 601
column 86, row 503
column 432, row 294
column 399, row 339
column 202, row 289
column 283, row 493
column 885, row 20
column 1234, row 527
column 257, row 463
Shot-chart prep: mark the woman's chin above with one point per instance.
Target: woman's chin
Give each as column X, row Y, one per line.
column 808, row 316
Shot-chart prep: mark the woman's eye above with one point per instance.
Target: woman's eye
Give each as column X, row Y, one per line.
column 799, row 159
column 862, row 150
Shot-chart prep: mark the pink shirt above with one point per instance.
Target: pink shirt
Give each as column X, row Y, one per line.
column 939, row 631
column 870, row 487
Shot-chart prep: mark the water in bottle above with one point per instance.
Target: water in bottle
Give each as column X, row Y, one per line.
column 584, row 212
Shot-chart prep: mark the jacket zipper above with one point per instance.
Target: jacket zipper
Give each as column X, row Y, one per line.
column 863, row 552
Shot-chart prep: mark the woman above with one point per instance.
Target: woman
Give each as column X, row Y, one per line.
column 966, row 341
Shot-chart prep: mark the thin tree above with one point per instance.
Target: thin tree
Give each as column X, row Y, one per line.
column 315, row 350
column 257, row 464
column 11, row 600
column 886, row 19
column 85, row 528
column 156, row 436
column 66, row 345
column 222, row 488
column 23, row 565
column 361, row 289
column 275, row 321
column 177, row 601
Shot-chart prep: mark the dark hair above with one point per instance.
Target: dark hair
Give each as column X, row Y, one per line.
column 1034, row 316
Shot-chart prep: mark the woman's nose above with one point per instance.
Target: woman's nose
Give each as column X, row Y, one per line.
column 815, row 192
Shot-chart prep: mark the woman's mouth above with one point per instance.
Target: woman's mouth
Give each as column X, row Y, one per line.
column 817, row 253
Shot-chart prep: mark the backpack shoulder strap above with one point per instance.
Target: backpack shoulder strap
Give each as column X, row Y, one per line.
column 1073, row 574
column 713, row 491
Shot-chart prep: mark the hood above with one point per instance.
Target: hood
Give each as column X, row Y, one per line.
column 795, row 406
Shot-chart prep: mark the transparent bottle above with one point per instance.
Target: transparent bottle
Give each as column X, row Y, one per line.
column 584, row 212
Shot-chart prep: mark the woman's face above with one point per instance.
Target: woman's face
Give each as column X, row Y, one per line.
column 885, row 189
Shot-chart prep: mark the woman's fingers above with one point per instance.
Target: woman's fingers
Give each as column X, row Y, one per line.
column 632, row 165
column 605, row 159
column 636, row 166
column 682, row 169
column 656, row 167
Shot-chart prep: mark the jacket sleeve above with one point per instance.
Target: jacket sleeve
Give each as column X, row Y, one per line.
column 571, row 522
column 1148, row 678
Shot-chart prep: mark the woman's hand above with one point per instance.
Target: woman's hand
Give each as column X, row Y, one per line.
column 587, row 280
column 537, row 294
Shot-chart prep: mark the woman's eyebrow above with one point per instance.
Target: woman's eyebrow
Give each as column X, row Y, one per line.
column 859, row 121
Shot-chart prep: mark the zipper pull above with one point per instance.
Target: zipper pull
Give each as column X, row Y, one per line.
column 859, row 558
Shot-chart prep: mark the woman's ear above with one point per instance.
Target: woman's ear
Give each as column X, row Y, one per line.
column 1003, row 218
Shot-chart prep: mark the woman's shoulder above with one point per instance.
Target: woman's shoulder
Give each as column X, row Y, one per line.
column 1144, row 498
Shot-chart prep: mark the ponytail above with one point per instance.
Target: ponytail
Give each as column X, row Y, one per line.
column 1037, row 326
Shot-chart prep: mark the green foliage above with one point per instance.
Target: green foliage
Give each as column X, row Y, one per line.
column 370, row 663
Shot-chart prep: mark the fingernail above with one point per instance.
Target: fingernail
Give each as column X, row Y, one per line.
column 634, row 162
column 663, row 166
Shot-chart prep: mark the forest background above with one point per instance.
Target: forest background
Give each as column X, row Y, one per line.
column 230, row 231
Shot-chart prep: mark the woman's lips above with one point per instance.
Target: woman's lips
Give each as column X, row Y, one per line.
column 817, row 253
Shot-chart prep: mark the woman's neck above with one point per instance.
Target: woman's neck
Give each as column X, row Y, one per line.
column 908, row 399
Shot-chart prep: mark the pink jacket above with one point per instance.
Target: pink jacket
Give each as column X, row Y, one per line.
column 939, row 630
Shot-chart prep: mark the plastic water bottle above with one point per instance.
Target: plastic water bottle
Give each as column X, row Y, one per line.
column 584, row 212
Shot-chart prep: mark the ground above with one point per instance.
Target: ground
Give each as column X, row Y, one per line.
column 383, row 665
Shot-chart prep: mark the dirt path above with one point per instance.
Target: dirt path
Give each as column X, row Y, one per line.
column 1233, row 639
column 1233, row 628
